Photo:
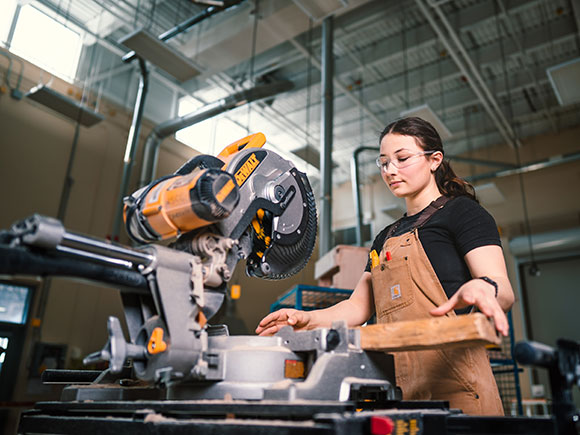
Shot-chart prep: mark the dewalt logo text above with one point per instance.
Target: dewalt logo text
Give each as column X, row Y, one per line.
column 247, row 168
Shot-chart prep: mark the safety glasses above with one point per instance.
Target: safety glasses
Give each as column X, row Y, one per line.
column 401, row 161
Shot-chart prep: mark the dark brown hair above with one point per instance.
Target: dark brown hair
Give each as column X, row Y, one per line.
column 428, row 139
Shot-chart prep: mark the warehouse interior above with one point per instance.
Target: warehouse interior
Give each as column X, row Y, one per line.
column 100, row 97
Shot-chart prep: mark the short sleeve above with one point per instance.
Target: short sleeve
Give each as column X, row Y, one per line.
column 473, row 226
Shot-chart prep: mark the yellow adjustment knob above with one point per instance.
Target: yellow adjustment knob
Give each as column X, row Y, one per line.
column 236, row 291
column 156, row 343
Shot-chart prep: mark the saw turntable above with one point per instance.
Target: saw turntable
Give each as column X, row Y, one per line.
column 178, row 373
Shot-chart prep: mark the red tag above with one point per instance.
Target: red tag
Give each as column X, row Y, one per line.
column 381, row 425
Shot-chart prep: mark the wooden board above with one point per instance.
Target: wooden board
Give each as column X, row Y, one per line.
column 438, row 332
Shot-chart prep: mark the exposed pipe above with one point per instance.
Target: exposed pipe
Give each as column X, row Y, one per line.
column 327, row 71
column 131, row 148
column 167, row 128
column 12, row 29
column 541, row 164
column 563, row 240
column 356, row 190
column 464, row 71
column 481, row 162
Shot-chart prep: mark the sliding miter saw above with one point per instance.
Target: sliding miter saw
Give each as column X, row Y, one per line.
column 247, row 203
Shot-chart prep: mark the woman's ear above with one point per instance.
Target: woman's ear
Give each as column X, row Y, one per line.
column 436, row 159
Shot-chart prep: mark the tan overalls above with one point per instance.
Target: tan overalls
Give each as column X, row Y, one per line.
column 407, row 288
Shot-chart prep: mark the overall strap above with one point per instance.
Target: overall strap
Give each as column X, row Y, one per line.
column 424, row 216
column 430, row 211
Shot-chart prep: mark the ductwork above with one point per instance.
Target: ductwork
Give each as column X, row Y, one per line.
column 167, row 128
column 541, row 164
column 356, row 191
column 558, row 241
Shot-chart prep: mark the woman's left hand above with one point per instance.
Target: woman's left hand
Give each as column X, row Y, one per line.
column 480, row 294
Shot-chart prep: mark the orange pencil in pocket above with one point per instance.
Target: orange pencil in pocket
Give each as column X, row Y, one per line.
column 374, row 259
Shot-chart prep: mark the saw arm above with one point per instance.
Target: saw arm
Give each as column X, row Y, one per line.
column 246, row 193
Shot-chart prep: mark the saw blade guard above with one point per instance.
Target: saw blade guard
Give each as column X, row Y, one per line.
column 277, row 207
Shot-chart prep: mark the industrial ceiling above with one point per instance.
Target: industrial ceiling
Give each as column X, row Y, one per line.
column 488, row 69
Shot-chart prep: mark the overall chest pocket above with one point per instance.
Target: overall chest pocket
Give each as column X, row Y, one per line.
column 392, row 288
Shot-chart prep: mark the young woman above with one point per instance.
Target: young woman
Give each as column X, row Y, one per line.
column 444, row 257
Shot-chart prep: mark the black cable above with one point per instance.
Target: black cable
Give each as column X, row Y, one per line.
column 134, row 204
column 34, row 262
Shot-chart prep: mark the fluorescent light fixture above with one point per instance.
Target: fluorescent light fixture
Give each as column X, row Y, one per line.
column 565, row 79
column 150, row 48
column 311, row 156
column 319, row 9
column 210, row 2
column 425, row 112
column 489, row 194
column 64, row 105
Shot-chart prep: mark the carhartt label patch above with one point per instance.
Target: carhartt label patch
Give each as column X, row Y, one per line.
column 395, row 291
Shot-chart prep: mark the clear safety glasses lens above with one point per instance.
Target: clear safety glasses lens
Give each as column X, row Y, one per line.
column 400, row 162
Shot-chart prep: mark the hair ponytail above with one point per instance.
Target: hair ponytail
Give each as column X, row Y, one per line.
column 428, row 139
column 450, row 184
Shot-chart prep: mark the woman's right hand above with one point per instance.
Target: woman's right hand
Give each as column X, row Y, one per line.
column 275, row 321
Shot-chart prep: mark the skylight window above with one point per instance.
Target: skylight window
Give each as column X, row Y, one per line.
column 46, row 42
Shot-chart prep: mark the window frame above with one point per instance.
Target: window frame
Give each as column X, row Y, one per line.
column 17, row 15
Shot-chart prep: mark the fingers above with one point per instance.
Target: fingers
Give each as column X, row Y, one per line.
column 272, row 317
column 456, row 301
column 275, row 321
column 267, row 322
column 489, row 306
column 498, row 316
column 441, row 310
column 271, row 330
column 500, row 320
column 486, row 304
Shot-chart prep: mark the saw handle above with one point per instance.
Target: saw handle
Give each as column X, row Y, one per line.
column 256, row 140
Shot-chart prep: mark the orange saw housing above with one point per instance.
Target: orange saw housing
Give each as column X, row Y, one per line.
column 186, row 202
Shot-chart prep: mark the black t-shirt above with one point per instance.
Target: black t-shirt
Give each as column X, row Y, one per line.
column 460, row 226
